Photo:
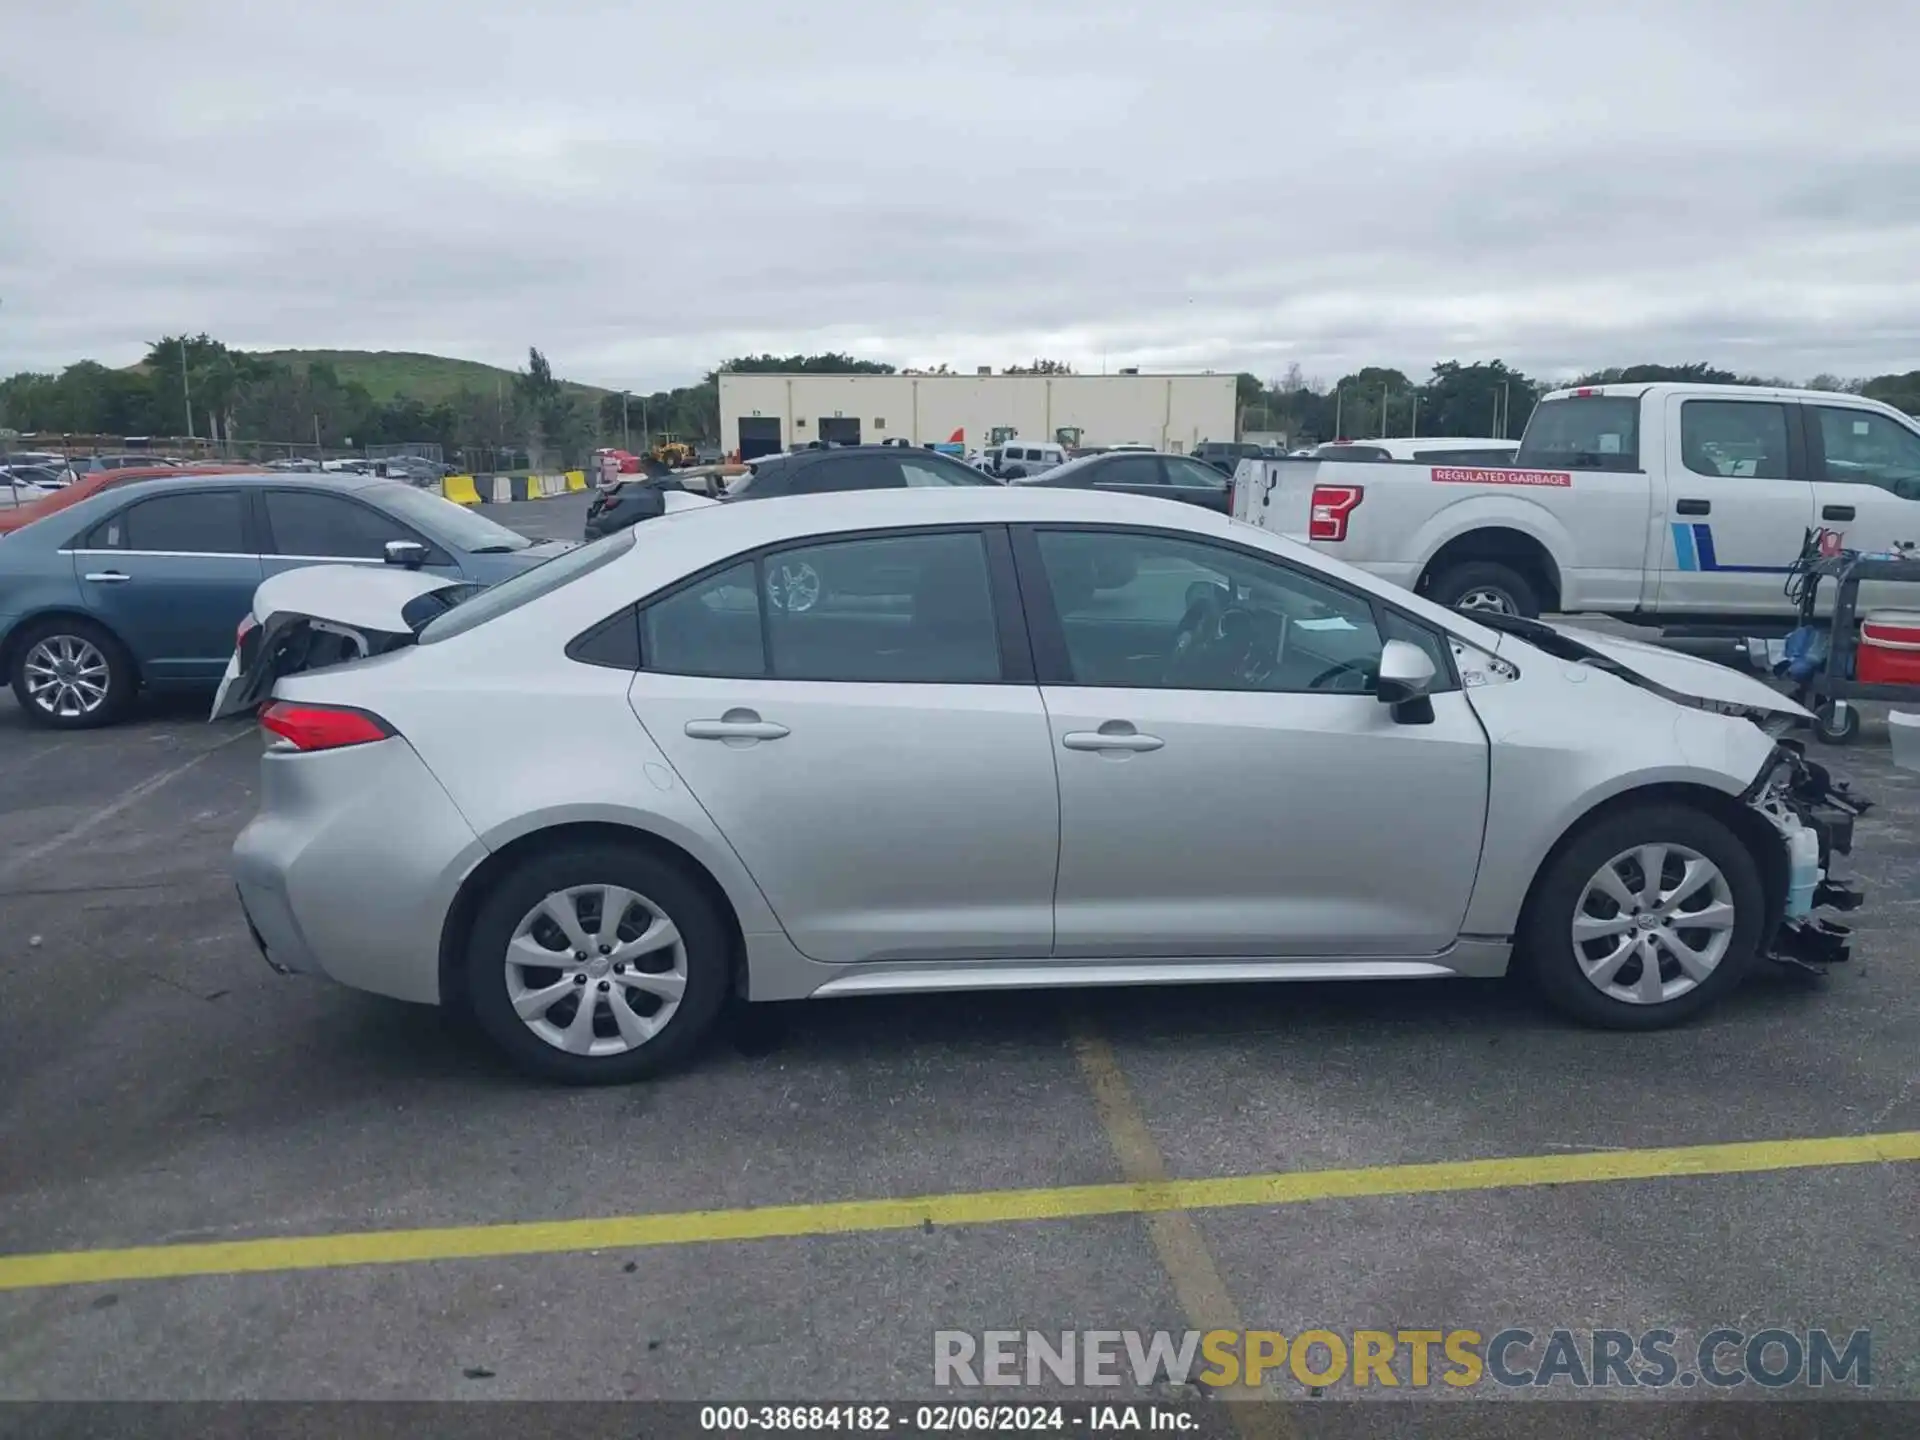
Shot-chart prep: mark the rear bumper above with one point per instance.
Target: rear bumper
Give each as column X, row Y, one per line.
column 350, row 866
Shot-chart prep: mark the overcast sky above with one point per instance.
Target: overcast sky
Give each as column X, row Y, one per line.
column 644, row 190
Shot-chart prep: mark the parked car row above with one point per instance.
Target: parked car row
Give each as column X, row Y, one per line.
column 125, row 581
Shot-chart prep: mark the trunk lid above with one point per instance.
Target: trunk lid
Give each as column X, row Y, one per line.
column 323, row 615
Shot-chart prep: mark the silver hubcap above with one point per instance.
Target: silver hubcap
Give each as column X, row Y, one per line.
column 793, row 588
column 67, row 676
column 1483, row 597
column 596, row 970
column 1652, row 924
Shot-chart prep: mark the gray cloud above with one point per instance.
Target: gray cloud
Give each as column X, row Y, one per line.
column 1223, row 185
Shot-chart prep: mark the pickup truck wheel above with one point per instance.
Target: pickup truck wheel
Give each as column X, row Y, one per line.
column 1644, row 920
column 1485, row 585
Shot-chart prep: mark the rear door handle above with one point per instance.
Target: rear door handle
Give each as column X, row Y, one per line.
column 736, row 725
column 1110, row 740
column 1836, row 512
column 108, row 577
column 1693, row 507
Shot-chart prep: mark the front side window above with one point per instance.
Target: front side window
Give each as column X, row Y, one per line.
column 195, row 523
column 1186, row 475
column 919, row 470
column 1162, row 612
column 1866, row 448
column 314, row 523
column 1739, row 439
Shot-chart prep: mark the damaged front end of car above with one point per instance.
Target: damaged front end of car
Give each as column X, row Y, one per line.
column 1813, row 814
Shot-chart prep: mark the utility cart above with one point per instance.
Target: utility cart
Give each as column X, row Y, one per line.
column 1890, row 642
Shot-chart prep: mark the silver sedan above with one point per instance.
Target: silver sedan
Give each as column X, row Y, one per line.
column 971, row 739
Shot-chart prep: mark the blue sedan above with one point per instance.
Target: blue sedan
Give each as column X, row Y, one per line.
column 143, row 585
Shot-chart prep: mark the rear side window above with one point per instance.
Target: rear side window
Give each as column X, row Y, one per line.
column 530, row 584
column 880, row 609
column 1464, row 457
column 1583, row 432
column 197, row 523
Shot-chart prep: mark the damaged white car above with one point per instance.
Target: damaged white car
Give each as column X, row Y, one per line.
column 1012, row 738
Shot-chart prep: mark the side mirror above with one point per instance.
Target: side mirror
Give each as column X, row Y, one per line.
column 410, row 553
column 1406, row 673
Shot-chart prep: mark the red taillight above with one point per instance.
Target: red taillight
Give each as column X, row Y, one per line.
column 241, row 633
column 1332, row 504
column 1586, row 390
column 322, row 727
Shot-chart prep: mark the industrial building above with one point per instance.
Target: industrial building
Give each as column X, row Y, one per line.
column 762, row 414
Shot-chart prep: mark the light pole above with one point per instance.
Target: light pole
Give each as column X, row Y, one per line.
column 625, row 442
column 186, row 395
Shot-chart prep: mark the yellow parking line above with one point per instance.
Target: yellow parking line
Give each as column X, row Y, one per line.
column 1176, row 1239
column 982, row 1207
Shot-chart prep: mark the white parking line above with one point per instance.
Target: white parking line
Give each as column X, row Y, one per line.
column 15, row 863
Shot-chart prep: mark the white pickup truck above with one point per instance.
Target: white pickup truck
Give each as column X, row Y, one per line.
column 1662, row 504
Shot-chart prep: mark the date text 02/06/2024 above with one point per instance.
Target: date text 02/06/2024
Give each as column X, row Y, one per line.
column 947, row 1419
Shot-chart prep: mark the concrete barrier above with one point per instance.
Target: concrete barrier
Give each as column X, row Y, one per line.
column 502, row 489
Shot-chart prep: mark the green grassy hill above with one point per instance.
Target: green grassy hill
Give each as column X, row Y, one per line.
column 428, row 378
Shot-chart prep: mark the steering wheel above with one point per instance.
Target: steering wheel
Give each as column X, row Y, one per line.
column 1219, row 642
column 1335, row 676
column 1199, row 630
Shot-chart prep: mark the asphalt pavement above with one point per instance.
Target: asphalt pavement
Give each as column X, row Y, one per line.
column 160, row 1087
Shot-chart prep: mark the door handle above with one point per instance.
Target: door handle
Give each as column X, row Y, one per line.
column 1105, row 739
column 108, row 577
column 1836, row 512
column 736, row 725
column 1693, row 507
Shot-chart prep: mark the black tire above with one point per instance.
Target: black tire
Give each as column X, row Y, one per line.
column 123, row 678
column 1545, row 945
column 668, row 888
column 1834, row 726
column 1476, row 578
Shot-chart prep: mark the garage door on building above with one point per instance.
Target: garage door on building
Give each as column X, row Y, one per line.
column 759, row 435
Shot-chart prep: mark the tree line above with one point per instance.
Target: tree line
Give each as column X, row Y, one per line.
column 196, row 385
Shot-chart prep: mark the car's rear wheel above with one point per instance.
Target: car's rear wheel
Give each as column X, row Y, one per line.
column 72, row 674
column 1645, row 919
column 1483, row 585
column 597, row 964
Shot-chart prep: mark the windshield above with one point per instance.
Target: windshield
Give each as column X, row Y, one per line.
column 510, row 594
column 1583, row 432
column 451, row 524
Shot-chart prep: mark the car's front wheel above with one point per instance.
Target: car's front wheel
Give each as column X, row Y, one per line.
column 71, row 674
column 597, row 964
column 1645, row 919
